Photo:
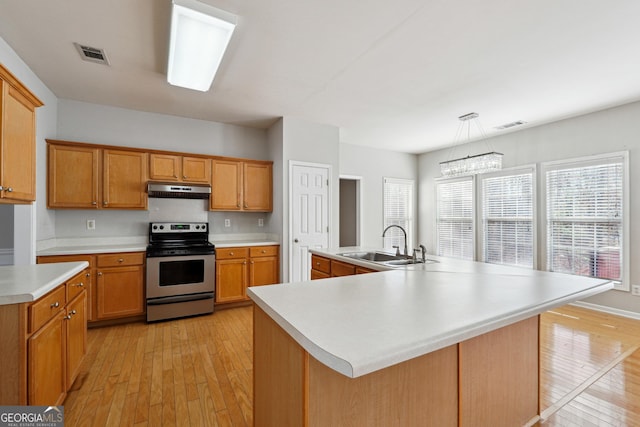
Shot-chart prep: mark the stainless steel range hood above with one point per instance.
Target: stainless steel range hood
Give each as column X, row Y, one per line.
column 173, row 190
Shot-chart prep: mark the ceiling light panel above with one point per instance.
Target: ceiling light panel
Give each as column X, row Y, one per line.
column 200, row 35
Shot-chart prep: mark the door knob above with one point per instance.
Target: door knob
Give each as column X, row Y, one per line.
column 295, row 240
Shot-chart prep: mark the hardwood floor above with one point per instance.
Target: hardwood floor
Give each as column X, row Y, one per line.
column 187, row 372
column 198, row 372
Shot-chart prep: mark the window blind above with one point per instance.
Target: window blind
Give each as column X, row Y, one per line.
column 585, row 219
column 398, row 209
column 507, row 218
column 454, row 223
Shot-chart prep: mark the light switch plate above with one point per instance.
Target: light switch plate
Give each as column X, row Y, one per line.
column 635, row 290
column 227, row 222
column 260, row 222
column 91, row 224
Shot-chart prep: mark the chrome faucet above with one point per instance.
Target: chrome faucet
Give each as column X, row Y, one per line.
column 405, row 236
column 424, row 253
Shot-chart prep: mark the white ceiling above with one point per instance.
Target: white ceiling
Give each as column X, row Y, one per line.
column 391, row 74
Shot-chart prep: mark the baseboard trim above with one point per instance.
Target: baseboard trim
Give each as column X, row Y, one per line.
column 6, row 256
column 607, row 309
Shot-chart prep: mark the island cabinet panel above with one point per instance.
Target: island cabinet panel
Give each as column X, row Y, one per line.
column 321, row 265
column 499, row 376
column 17, row 140
column 339, row 268
column 294, row 389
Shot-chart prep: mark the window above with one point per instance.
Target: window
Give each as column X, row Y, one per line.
column 454, row 222
column 508, row 218
column 586, row 217
column 398, row 210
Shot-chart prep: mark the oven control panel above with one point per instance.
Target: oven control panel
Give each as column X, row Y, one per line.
column 178, row 227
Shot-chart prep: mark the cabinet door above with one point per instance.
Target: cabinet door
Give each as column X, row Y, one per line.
column 165, row 167
column 264, row 271
column 46, row 361
column 226, row 185
column 231, row 280
column 76, row 325
column 120, row 292
column 257, row 187
column 196, row 169
column 73, row 177
column 124, row 179
column 17, row 146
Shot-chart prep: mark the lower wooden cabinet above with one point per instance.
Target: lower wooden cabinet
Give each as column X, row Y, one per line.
column 114, row 282
column 120, row 285
column 43, row 345
column 47, row 384
column 240, row 267
column 323, row 268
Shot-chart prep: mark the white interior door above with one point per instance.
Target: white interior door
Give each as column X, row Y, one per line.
column 309, row 201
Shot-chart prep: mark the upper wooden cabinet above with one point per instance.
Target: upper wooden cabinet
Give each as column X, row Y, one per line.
column 92, row 178
column 168, row 167
column 17, row 140
column 242, row 186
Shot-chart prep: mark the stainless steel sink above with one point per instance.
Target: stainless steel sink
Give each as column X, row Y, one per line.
column 385, row 258
column 374, row 256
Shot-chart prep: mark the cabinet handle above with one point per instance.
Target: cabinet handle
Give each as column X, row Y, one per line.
column 67, row 317
column 231, row 253
column 1, row 188
column 184, row 176
column 80, row 285
column 99, row 273
column 55, row 305
column 73, row 312
column 251, row 262
column 246, row 206
column 9, row 190
column 264, row 252
column 237, row 205
column 120, row 260
column 94, row 203
column 317, row 263
column 88, row 275
column 105, row 203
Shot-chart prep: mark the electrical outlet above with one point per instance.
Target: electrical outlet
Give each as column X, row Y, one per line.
column 227, row 222
column 91, row 224
column 635, row 290
column 260, row 222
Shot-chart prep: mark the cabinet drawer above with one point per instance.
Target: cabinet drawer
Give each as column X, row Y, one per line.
column 258, row 251
column 46, row 307
column 77, row 284
column 342, row 269
column 321, row 264
column 315, row 274
column 117, row 260
column 232, row 253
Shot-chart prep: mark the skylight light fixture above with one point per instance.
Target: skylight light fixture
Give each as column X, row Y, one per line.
column 200, row 34
column 471, row 165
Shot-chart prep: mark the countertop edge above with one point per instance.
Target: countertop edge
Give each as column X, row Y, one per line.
column 32, row 295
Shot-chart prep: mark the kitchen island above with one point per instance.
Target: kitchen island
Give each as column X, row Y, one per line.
column 443, row 343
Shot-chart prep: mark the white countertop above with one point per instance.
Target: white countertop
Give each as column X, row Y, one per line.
column 102, row 245
column 363, row 323
column 26, row 283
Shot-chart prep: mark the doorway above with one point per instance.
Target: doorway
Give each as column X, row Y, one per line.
column 350, row 215
column 308, row 215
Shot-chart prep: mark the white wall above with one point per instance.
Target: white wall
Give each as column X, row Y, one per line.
column 46, row 120
column 373, row 165
column 611, row 130
column 304, row 141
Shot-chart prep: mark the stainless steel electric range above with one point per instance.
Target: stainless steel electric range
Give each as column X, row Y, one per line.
column 181, row 265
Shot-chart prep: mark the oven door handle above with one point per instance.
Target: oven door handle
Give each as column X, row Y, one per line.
column 180, row 298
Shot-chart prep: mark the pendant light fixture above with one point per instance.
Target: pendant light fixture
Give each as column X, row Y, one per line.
column 200, row 34
column 470, row 165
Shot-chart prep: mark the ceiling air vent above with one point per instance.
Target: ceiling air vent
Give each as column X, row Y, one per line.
column 92, row 54
column 512, row 124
